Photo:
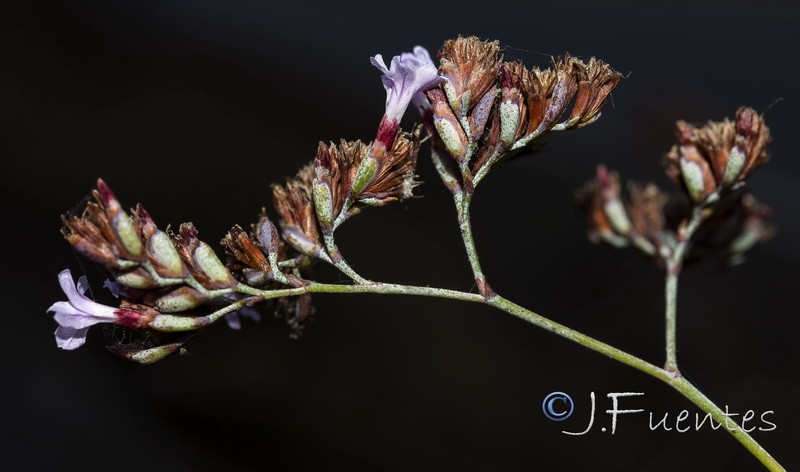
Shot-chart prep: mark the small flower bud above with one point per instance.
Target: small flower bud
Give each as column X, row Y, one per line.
column 447, row 125
column 509, row 122
column 207, row 262
column 364, row 175
column 146, row 356
column 323, row 203
column 178, row 300
column 137, row 278
column 121, row 223
column 694, row 176
column 160, row 250
column 166, row 260
column 268, row 236
column 480, row 114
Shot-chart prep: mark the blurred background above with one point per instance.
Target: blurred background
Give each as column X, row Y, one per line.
column 194, row 108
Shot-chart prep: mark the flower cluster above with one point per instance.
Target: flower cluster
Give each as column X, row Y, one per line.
column 719, row 155
column 710, row 165
column 487, row 107
column 175, row 281
column 639, row 222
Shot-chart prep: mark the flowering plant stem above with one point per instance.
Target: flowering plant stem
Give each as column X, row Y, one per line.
column 674, row 265
column 669, row 375
column 686, row 388
column 463, row 200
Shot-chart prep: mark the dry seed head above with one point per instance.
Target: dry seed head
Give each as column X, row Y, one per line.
column 605, row 215
column 298, row 219
column 394, row 177
column 104, row 232
column 595, row 84
column 646, row 211
column 471, row 68
column 243, row 252
column 718, row 155
column 639, row 222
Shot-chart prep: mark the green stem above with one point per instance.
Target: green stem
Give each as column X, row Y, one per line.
column 671, row 289
column 704, row 403
column 674, row 265
column 338, row 260
column 678, row 383
column 186, row 323
column 463, row 201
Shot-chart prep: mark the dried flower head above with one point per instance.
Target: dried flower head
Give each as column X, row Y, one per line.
column 351, row 176
column 542, row 96
column 295, row 205
column 646, row 212
column 639, row 222
column 476, row 131
column 719, row 155
column 470, row 67
column 600, row 202
column 596, row 81
column 104, row 232
column 243, row 254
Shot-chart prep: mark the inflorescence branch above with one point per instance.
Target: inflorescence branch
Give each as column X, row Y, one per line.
column 477, row 110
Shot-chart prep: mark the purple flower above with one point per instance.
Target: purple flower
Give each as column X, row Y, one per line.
column 407, row 77
column 74, row 317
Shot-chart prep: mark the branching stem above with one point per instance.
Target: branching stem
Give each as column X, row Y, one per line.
column 678, row 383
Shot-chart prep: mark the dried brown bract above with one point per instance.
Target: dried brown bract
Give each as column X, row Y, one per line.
column 104, row 232
column 547, row 94
column 395, row 176
column 471, row 67
column 719, row 155
column 295, row 205
column 476, row 131
column 596, row 82
column 351, row 175
column 600, row 202
column 243, row 254
column 646, row 212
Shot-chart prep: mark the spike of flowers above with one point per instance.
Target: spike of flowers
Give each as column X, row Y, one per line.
column 718, row 156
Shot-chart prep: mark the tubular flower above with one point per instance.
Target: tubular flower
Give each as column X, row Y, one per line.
column 75, row 316
column 406, row 78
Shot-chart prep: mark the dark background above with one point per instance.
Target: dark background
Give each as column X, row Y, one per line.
column 193, row 108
